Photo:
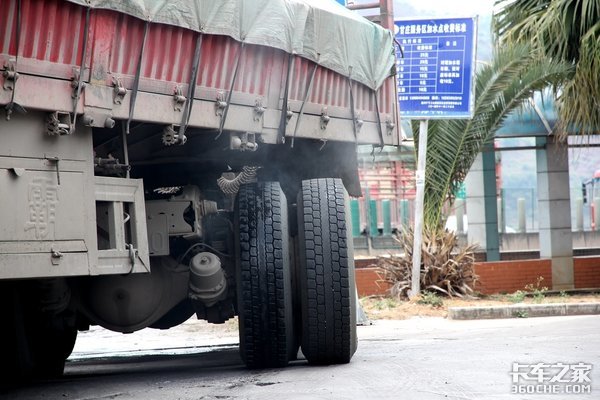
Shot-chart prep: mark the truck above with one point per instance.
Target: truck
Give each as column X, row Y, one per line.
column 160, row 160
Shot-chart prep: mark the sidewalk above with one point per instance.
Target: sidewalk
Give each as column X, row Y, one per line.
column 524, row 311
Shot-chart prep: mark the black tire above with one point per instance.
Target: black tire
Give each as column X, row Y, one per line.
column 36, row 345
column 326, row 273
column 53, row 345
column 17, row 362
column 264, row 278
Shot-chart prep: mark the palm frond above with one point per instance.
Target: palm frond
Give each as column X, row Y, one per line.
column 562, row 30
column 501, row 87
column 446, row 266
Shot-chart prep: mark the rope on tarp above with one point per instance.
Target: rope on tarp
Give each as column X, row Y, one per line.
column 284, row 106
column 306, row 95
column 81, row 68
column 354, row 119
column 10, row 107
column 136, row 80
column 379, row 129
column 233, row 79
column 187, row 111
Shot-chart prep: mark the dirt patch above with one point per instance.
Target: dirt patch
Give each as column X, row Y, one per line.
column 391, row 308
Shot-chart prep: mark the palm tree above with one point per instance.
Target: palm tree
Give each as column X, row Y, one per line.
column 565, row 30
column 501, row 87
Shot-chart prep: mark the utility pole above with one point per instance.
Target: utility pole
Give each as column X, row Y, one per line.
column 419, row 201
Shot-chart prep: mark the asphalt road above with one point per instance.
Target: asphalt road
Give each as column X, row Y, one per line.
column 424, row 358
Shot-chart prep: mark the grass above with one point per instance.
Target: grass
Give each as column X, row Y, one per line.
column 538, row 292
column 521, row 314
column 385, row 303
column 516, row 297
column 430, row 299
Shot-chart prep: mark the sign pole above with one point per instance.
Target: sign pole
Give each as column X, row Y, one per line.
column 418, row 233
column 436, row 70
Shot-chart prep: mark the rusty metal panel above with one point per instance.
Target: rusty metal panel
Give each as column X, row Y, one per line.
column 52, row 41
column 8, row 28
column 168, row 55
column 219, row 54
column 52, row 31
column 328, row 88
column 332, row 89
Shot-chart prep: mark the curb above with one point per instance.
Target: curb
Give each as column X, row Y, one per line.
column 524, row 311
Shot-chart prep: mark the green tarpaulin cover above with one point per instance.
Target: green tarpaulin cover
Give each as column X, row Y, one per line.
column 320, row 30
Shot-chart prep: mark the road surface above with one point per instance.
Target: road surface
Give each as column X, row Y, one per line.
column 419, row 358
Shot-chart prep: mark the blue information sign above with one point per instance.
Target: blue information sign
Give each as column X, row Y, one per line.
column 435, row 76
column 342, row 2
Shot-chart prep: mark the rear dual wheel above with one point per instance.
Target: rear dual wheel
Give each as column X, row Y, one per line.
column 266, row 322
column 326, row 273
column 325, row 286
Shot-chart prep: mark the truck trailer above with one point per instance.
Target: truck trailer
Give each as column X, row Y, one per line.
column 160, row 160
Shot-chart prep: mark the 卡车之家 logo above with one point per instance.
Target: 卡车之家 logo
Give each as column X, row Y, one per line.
column 551, row 378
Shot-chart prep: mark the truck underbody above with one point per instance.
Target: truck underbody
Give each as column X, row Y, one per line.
column 132, row 202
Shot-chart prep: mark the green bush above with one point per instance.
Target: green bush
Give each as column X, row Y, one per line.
column 430, row 299
column 520, row 314
column 386, row 303
column 538, row 291
column 517, row 297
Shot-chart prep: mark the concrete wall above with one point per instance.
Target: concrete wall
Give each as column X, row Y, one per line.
column 530, row 241
column 509, row 242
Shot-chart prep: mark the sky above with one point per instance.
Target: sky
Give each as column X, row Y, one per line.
column 456, row 8
column 426, row 8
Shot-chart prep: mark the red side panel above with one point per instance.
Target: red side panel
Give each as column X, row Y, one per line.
column 169, row 51
column 167, row 54
column 219, row 54
column 51, row 31
column 8, row 28
column 331, row 88
column 53, row 34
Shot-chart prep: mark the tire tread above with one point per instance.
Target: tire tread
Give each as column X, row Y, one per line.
column 328, row 302
column 266, row 330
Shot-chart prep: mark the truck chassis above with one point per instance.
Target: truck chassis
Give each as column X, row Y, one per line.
column 132, row 198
